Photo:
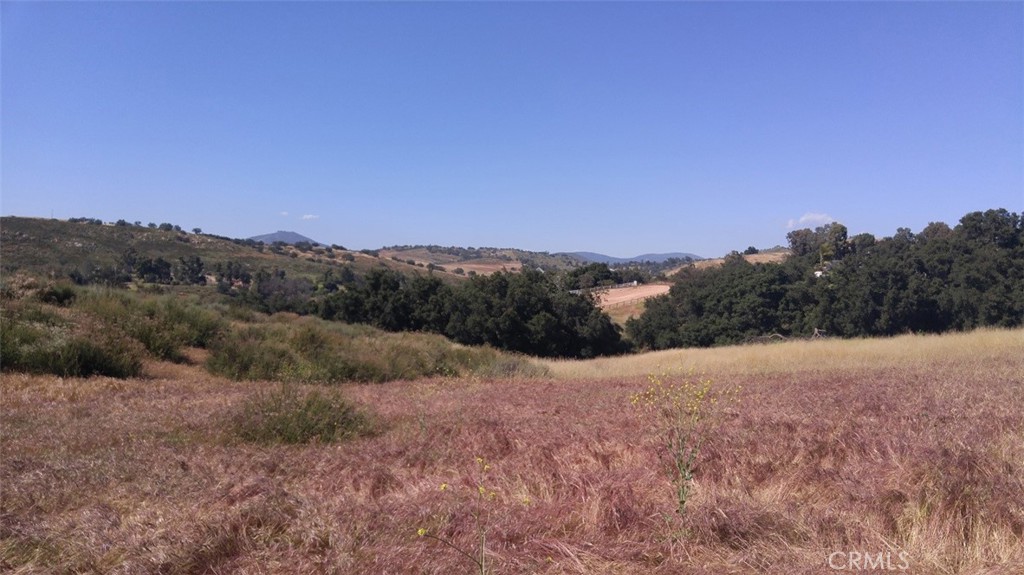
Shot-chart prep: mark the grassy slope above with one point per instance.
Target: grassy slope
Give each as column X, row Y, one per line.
column 773, row 256
column 490, row 260
column 914, row 444
column 45, row 246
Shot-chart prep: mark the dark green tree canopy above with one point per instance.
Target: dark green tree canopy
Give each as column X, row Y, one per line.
column 940, row 279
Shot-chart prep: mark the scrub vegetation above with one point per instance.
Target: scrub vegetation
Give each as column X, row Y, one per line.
column 910, row 445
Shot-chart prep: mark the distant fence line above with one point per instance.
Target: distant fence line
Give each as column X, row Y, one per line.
column 627, row 302
column 633, row 283
column 778, row 337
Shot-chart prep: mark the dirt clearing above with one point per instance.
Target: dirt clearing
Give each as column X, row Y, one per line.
column 617, row 296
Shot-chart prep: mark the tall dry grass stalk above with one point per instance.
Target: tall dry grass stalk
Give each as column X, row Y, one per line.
column 910, row 445
column 806, row 355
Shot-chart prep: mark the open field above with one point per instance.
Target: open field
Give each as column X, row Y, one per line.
column 620, row 296
column 909, row 450
column 621, row 313
column 623, row 303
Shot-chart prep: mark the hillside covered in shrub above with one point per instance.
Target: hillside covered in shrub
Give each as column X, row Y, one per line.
column 529, row 312
column 75, row 331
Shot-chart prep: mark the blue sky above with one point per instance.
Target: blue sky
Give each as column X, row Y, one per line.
column 621, row 128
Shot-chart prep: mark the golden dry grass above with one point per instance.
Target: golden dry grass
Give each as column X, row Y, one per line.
column 623, row 303
column 912, row 445
column 825, row 354
column 760, row 258
column 621, row 313
column 617, row 296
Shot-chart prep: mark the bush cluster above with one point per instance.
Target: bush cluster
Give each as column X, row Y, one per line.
column 72, row 331
column 101, row 331
column 308, row 350
column 163, row 325
column 287, row 415
column 35, row 341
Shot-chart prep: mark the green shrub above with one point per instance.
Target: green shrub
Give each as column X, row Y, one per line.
column 162, row 325
column 60, row 294
column 284, row 352
column 314, row 351
column 17, row 338
column 198, row 327
column 288, row 416
column 110, row 356
column 239, row 312
column 248, row 353
column 50, row 347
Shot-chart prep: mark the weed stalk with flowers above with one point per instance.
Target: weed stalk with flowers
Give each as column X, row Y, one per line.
column 481, row 516
column 685, row 408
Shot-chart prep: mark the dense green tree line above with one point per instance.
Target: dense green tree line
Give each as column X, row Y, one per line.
column 939, row 279
column 526, row 312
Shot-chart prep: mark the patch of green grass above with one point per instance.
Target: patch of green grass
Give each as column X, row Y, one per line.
column 21, row 550
column 287, row 415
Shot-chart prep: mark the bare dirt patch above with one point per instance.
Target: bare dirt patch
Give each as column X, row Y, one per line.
column 617, row 296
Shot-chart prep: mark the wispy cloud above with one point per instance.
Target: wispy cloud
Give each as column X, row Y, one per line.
column 310, row 217
column 285, row 214
column 810, row 219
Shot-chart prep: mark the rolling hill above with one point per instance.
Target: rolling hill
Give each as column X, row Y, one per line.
column 55, row 248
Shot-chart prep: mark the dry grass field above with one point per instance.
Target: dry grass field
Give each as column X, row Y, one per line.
column 760, row 258
column 901, row 455
column 619, row 296
column 623, row 303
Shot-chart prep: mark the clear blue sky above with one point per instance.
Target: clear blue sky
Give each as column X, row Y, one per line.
column 620, row 128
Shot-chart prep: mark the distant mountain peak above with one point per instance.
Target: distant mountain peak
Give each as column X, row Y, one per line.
column 290, row 238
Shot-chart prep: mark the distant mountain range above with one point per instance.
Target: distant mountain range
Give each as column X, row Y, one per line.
column 290, row 238
column 591, row 257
